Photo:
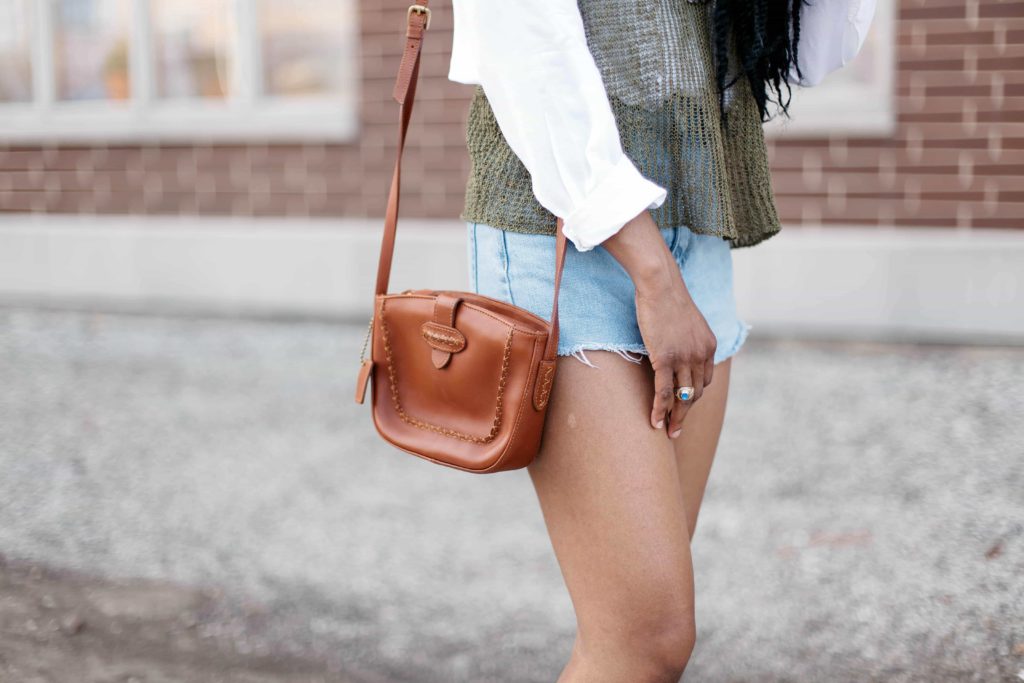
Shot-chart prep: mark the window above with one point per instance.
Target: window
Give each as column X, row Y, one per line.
column 15, row 52
column 191, row 57
column 178, row 69
column 857, row 100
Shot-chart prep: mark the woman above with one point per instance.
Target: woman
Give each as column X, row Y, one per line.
column 639, row 123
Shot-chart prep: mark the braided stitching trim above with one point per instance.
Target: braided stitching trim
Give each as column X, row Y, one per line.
column 544, row 384
column 449, row 341
column 393, row 381
column 442, row 338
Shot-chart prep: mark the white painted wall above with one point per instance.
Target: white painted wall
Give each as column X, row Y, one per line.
column 870, row 282
column 860, row 282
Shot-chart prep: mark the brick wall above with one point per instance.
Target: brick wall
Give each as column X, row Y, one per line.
column 956, row 159
column 957, row 156
column 275, row 179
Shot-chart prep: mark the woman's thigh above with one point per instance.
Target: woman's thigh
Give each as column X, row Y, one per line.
column 609, row 490
column 696, row 446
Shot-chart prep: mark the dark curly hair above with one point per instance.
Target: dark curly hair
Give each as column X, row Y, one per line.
column 766, row 33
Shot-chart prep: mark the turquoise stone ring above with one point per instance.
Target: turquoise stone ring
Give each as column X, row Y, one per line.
column 684, row 393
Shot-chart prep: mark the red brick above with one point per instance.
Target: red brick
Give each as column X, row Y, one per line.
column 956, row 157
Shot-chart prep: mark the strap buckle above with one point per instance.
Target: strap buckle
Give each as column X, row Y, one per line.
column 419, row 9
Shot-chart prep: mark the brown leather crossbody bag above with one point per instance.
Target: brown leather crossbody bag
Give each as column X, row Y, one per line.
column 458, row 378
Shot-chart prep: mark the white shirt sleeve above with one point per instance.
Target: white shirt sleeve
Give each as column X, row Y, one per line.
column 548, row 98
column 832, row 32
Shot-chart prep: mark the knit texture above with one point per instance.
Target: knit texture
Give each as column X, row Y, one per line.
column 655, row 58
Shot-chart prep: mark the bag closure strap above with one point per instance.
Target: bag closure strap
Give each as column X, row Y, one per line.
column 417, row 21
column 440, row 333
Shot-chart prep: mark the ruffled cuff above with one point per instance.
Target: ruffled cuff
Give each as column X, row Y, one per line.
column 617, row 198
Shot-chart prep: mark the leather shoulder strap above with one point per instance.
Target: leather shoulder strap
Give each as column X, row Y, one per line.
column 418, row 19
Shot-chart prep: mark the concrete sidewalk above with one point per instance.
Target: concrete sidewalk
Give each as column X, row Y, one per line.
column 864, row 522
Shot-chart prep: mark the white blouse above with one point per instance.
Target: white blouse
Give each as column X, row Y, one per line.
column 548, row 98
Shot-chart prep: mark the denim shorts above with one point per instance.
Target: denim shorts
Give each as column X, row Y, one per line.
column 596, row 307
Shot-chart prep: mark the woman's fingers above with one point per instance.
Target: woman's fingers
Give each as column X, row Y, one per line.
column 663, row 395
column 698, row 381
column 687, row 376
column 709, row 368
column 684, row 378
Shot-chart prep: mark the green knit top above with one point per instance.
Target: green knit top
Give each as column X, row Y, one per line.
column 655, row 58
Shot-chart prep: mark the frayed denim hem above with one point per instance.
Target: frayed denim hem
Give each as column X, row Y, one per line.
column 634, row 353
column 740, row 338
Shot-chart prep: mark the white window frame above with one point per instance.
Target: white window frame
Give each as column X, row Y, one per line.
column 246, row 115
column 849, row 109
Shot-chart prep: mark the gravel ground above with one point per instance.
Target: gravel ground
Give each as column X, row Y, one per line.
column 191, row 500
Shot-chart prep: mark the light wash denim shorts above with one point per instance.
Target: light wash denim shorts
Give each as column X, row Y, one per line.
column 596, row 307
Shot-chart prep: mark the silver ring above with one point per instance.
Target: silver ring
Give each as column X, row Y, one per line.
column 684, row 393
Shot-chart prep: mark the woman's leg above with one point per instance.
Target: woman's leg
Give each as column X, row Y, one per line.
column 695, row 448
column 608, row 486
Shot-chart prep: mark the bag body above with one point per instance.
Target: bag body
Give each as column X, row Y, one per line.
column 458, row 378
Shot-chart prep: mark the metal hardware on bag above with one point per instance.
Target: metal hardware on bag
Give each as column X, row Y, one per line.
column 366, row 341
column 365, row 366
column 419, row 9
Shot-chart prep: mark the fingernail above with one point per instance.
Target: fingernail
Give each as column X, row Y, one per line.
column 675, row 433
column 660, row 425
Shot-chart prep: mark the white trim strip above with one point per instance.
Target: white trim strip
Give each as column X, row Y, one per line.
column 868, row 282
column 848, row 282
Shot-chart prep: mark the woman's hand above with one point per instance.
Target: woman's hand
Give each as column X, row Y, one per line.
column 680, row 345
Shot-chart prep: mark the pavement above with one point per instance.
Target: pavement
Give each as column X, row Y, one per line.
column 193, row 500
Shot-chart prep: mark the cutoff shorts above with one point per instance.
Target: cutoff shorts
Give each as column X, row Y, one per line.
column 596, row 307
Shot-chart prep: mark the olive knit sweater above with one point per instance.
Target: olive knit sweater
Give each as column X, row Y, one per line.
column 655, row 58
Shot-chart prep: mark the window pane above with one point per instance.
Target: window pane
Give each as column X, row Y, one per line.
column 192, row 47
column 15, row 55
column 92, row 42
column 304, row 42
